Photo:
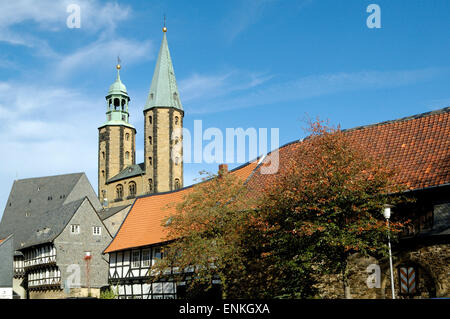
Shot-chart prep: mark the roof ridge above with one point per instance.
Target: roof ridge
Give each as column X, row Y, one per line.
column 192, row 185
column 402, row 119
column 41, row 177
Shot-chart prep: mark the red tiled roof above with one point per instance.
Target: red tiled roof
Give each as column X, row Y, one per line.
column 417, row 147
column 142, row 226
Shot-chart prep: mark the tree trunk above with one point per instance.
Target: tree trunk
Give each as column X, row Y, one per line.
column 346, row 284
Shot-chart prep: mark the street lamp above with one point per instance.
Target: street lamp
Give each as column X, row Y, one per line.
column 387, row 215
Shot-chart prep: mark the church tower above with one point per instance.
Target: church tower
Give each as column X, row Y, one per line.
column 117, row 147
column 163, row 126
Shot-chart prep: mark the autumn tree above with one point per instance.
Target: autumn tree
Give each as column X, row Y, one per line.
column 216, row 239
column 324, row 205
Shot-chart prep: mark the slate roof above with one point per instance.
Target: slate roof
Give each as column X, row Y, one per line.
column 129, row 171
column 142, row 226
column 35, row 204
column 50, row 224
column 106, row 213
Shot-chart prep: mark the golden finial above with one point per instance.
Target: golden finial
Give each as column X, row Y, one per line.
column 164, row 28
column 118, row 63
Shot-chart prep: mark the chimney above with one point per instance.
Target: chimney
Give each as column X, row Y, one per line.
column 223, row 168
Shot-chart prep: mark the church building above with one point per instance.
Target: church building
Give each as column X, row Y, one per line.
column 120, row 179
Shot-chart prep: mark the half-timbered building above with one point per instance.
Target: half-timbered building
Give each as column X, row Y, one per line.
column 58, row 237
column 140, row 242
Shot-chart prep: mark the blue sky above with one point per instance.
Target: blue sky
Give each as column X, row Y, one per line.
column 246, row 63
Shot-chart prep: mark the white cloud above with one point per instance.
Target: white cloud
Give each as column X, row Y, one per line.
column 101, row 53
column 47, row 131
column 51, row 16
column 205, row 87
column 303, row 88
column 248, row 13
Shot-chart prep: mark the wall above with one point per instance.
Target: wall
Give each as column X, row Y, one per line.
column 115, row 221
column 6, row 262
column 71, row 248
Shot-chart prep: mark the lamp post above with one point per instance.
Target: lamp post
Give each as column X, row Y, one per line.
column 387, row 215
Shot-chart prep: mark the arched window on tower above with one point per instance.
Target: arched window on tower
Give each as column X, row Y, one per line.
column 116, row 104
column 123, row 104
column 150, row 161
column 132, row 189
column 176, row 120
column 110, row 104
column 150, row 185
column 103, row 174
column 103, row 155
column 177, row 183
column 177, row 160
column 127, row 137
column 150, row 140
column 127, row 155
column 119, row 192
column 150, row 119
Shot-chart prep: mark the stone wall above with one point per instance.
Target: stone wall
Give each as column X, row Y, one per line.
column 432, row 263
column 71, row 249
column 113, row 223
column 63, row 294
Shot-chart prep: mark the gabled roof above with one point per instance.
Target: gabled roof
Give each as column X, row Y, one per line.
column 142, row 226
column 50, row 224
column 129, row 171
column 37, row 203
column 164, row 89
column 417, row 147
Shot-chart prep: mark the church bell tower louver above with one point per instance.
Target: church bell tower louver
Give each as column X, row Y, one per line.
column 163, row 125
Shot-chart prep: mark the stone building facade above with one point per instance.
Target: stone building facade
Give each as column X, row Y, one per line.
column 58, row 236
column 120, row 179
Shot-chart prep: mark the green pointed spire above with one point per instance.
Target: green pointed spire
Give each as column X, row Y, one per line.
column 164, row 90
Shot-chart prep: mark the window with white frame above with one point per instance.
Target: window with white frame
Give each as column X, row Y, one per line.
column 146, row 258
column 74, row 229
column 135, row 259
column 97, row 230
